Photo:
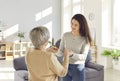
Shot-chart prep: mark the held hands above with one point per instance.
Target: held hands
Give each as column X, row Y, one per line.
column 68, row 52
column 52, row 49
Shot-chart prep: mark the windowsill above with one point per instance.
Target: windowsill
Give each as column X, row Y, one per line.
column 111, row 47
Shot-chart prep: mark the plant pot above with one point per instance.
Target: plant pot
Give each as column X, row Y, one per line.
column 115, row 62
column 119, row 59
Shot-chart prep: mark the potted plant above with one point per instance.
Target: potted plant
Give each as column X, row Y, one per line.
column 20, row 35
column 114, row 53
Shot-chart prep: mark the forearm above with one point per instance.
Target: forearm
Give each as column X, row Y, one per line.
column 78, row 56
column 65, row 64
column 83, row 54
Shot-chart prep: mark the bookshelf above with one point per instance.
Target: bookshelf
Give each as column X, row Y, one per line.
column 20, row 48
column 6, row 50
column 13, row 50
column 2, row 50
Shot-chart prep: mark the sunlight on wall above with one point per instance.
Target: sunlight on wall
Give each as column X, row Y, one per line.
column 66, row 22
column 47, row 12
column 10, row 31
column 44, row 13
column 38, row 16
column 49, row 26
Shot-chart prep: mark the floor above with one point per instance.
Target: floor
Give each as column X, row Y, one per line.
column 112, row 75
column 7, row 72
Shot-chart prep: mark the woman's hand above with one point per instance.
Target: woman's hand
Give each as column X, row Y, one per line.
column 52, row 49
column 68, row 52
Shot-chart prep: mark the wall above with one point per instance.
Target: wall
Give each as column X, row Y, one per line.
column 20, row 15
column 98, row 14
column 93, row 13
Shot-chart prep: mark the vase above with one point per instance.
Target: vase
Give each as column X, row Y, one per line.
column 115, row 61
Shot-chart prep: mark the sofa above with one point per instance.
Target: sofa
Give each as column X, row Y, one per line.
column 94, row 71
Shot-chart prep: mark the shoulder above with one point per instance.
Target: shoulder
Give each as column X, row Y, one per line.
column 67, row 34
column 50, row 54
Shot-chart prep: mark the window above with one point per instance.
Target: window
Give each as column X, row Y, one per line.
column 110, row 23
column 116, row 23
column 69, row 8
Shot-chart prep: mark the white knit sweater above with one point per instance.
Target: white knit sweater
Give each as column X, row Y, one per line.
column 77, row 44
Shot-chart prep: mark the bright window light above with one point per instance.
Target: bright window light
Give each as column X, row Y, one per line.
column 66, row 3
column 10, row 31
column 76, row 9
column 76, row 1
column 116, row 24
column 69, row 8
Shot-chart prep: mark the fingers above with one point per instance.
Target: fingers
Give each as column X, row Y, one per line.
column 52, row 49
column 68, row 52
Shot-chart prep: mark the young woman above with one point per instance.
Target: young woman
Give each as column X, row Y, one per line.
column 78, row 40
column 42, row 64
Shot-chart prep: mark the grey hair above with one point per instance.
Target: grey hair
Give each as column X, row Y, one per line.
column 39, row 35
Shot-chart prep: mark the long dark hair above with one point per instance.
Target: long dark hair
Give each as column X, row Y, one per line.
column 84, row 29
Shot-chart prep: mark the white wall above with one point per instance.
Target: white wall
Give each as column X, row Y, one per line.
column 101, row 21
column 93, row 13
column 22, row 13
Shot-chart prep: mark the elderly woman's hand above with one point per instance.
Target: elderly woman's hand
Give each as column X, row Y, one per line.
column 68, row 52
column 52, row 49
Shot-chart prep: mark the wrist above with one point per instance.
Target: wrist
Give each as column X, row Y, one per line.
column 71, row 55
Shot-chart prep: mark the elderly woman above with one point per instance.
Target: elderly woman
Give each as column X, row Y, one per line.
column 42, row 64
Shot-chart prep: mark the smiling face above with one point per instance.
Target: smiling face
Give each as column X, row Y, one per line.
column 75, row 26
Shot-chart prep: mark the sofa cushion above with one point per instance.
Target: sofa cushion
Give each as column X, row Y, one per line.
column 95, row 66
column 88, row 58
column 19, row 63
column 22, row 75
column 91, row 73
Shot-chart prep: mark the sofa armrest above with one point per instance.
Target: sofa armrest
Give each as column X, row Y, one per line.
column 19, row 63
column 94, row 66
